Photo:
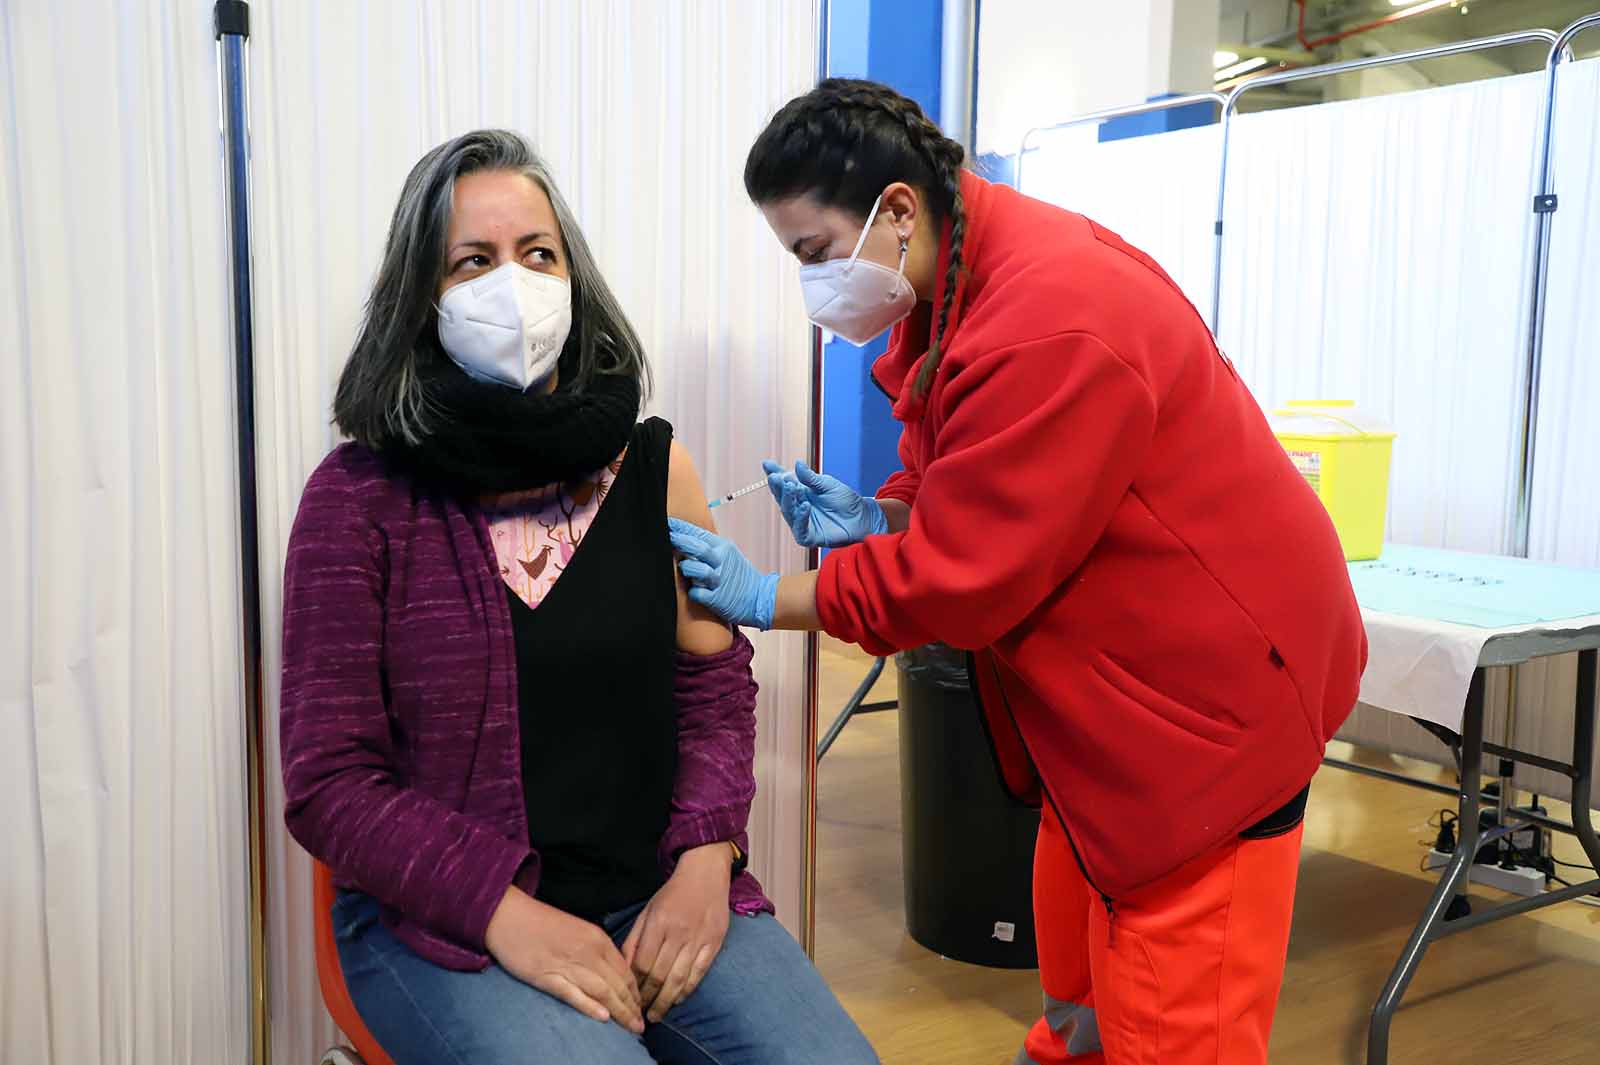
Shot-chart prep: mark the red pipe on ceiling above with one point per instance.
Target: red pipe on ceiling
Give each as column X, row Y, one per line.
column 1311, row 46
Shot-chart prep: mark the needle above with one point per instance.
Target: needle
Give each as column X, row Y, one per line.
column 731, row 496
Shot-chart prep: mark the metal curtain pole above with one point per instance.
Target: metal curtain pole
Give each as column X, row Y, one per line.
column 813, row 659
column 1544, row 205
column 1150, row 107
column 231, row 23
column 958, row 53
column 1231, row 107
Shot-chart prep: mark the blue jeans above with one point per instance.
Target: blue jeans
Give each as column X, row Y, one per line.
column 761, row 1003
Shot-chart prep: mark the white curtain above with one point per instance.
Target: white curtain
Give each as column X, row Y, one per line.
column 645, row 111
column 1158, row 192
column 1376, row 250
column 1566, row 484
column 122, row 884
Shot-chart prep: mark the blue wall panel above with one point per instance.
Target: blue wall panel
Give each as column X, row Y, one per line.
column 896, row 42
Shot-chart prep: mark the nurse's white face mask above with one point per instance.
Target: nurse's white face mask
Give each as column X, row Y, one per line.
column 508, row 326
column 855, row 297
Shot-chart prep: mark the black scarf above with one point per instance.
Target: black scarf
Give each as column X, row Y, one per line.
column 488, row 438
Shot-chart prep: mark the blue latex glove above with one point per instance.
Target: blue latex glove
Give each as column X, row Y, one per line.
column 721, row 579
column 823, row 511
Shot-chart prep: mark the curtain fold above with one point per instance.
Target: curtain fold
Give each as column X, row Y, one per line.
column 122, row 852
column 644, row 111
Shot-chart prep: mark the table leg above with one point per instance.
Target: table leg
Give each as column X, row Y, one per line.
column 850, row 708
column 1451, row 881
column 1583, row 730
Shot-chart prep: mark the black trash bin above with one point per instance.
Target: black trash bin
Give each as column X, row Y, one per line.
column 967, row 845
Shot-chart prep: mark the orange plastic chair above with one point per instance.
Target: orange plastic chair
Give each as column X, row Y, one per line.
column 335, row 995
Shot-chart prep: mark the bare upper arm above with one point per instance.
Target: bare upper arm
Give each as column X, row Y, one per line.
column 699, row 631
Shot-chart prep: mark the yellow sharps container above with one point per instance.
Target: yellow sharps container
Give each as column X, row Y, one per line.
column 1344, row 457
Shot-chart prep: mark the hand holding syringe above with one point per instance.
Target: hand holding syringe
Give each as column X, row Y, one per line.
column 821, row 510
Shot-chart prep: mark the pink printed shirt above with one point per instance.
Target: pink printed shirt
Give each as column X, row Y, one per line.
column 536, row 532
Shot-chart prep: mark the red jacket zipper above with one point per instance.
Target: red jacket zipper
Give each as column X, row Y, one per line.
column 1044, row 788
column 1107, row 900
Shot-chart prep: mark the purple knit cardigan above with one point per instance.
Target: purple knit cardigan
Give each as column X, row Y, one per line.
column 399, row 726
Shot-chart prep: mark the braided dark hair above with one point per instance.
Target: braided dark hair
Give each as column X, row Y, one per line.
column 847, row 140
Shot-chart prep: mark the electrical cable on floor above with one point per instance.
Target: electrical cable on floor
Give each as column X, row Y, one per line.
column 1510, row 856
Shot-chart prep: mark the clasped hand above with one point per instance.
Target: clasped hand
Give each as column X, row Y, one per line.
column 667, row 953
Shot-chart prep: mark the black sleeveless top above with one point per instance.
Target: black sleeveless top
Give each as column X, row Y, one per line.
column 594, row 689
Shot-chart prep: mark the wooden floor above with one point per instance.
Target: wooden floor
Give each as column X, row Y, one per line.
column 1523, row 990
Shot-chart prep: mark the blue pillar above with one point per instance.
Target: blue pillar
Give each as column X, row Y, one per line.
column 896, row 42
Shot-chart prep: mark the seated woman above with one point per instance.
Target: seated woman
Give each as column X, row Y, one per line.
column 526, row 757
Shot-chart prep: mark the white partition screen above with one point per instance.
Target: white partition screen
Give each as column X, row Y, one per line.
column 1377, row 250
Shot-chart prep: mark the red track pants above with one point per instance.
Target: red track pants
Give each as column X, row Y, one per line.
column 1185, row 972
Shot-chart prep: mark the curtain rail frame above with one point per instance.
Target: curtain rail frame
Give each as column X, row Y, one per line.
column 1543, row 205
column 231, row 27
column 1216, row 99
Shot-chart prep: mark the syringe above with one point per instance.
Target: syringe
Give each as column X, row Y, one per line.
column 731, row 496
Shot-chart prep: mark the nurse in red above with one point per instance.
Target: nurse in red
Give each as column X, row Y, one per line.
column 1092, row 502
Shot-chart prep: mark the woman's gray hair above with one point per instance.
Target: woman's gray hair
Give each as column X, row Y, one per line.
column 380, row 400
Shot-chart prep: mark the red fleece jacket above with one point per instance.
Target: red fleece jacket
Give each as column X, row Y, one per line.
column 1162, row 613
